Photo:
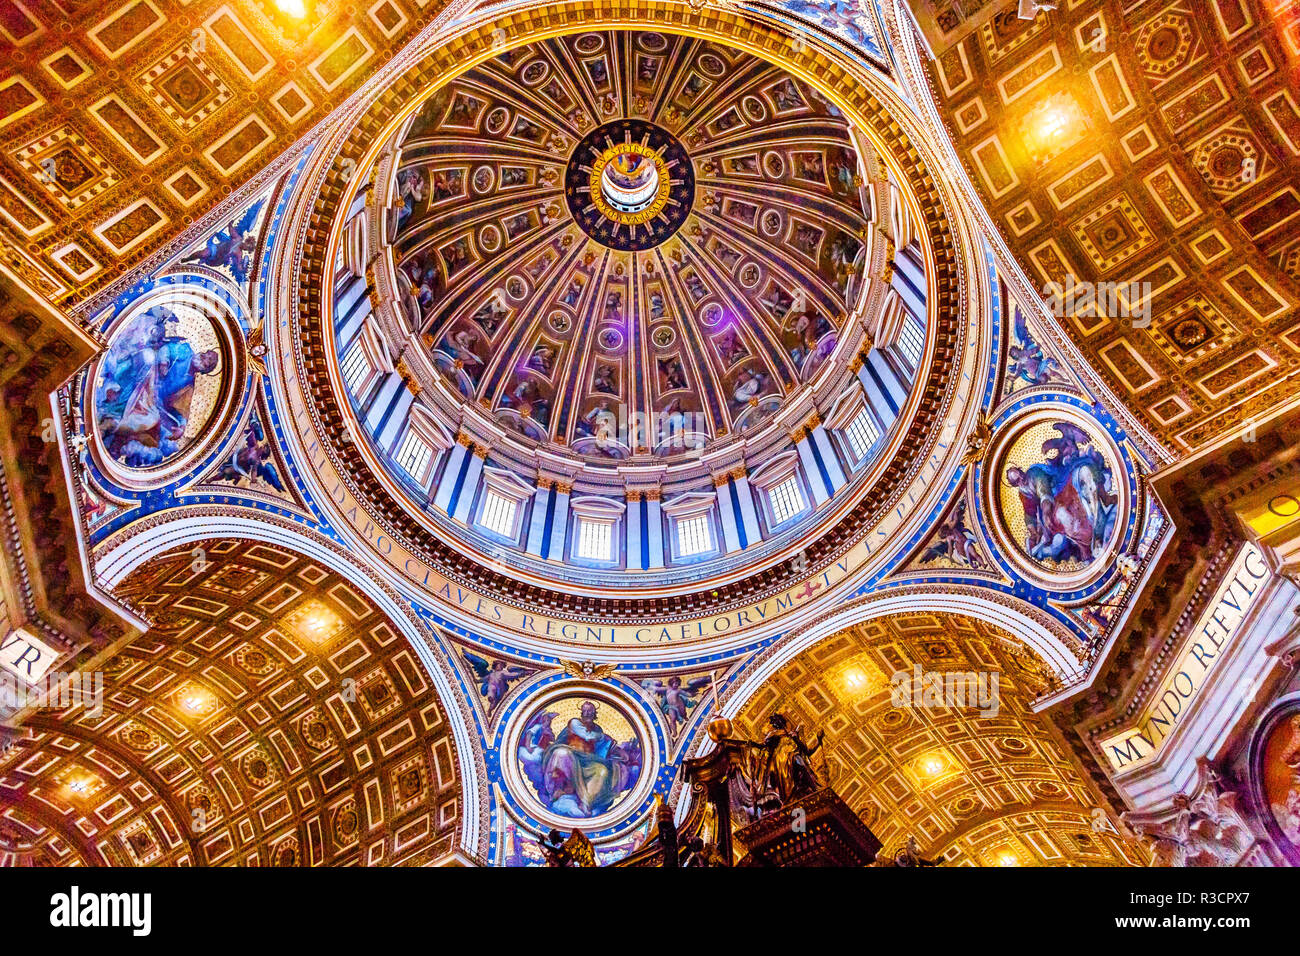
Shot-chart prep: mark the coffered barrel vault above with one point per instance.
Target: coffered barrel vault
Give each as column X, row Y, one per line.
column 127, row 123
column 272, row 717
column 1142, row 160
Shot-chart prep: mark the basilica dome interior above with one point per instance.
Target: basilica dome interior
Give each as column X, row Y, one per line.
column 596, row 434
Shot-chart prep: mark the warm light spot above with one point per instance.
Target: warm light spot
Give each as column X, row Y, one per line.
column 294, row 8
column 855, row 680
column 196, row 700
column 316, row 622
column 1053, row 125
column 1008, row 859
column 77, row 786
column 933, row 765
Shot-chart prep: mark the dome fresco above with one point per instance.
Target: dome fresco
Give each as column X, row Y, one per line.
column 605, row 294
column 720, row 207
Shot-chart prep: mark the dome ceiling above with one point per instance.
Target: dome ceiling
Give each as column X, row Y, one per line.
column 625, row 242
column 442, row 246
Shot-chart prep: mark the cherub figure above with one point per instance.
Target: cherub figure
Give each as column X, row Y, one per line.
column 495, row 678
column 676, row 701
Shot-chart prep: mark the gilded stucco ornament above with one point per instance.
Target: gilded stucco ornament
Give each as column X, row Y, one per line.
column 588, row 670
column 255, row 346
column 977, row 442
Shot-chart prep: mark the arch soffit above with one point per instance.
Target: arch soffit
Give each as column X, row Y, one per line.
column 120, row 554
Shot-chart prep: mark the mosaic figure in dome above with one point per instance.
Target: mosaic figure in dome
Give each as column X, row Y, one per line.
column 252, row 462
column 580, row 771
column 231, row 249
column 955, row 541
column 809, row 338
column 1028, row 363
column 1068, row 498
column 494, row 678
column 846, row 18
column 411, row 185
column 676, row 700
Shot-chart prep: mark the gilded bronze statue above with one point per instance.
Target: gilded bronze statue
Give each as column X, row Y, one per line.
column 576, row 850
column 780, row 769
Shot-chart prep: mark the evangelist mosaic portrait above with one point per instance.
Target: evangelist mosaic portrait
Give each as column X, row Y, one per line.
column 1280, row 777
column 1059, row 498
column 158, row 385
column 586, row 765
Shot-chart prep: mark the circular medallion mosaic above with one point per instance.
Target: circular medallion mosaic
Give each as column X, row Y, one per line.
column 629, row 184
column 1058, row 495
column 579, row 756
column 1276, row 773
column 158, row 385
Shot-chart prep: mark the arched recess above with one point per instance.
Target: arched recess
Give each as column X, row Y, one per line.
column 980, row 780
column 1022, row 621
column 121, row 554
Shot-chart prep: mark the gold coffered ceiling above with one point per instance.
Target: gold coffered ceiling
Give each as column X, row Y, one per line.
column 1148, row 142
column 993, row 790
column 273, row 717
column 123, row 123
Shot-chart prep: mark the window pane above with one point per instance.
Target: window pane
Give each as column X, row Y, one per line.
column 693, row 535
column 863, row 432
column 786, row 500
column 498, row 514
column 414, row 455
column 911, row 339
column 355, row 368
column 595, row 540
